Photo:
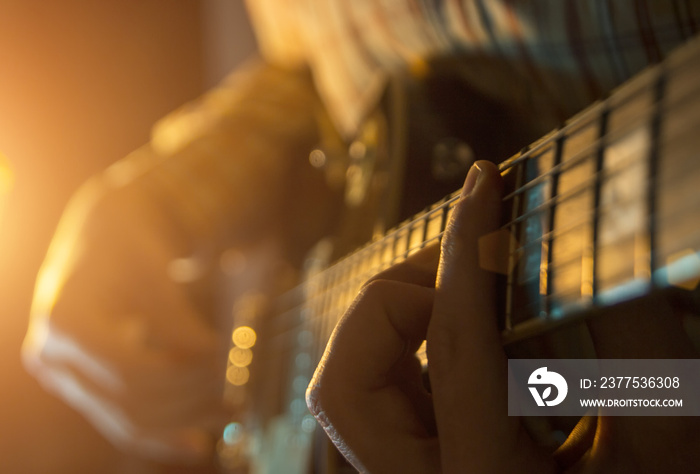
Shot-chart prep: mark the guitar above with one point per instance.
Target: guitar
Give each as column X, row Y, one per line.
column 602, row 210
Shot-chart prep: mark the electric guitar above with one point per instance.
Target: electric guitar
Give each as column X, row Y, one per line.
column 602, row 210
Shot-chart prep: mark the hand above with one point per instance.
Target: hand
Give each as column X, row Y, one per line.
column 368, row 395
column 116, row 338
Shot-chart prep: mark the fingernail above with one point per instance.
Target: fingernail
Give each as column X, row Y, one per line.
column 472, row 178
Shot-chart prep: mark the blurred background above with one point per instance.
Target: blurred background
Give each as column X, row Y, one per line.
column 81, row 83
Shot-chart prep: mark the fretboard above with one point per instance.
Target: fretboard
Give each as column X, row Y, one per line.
column 604, row 209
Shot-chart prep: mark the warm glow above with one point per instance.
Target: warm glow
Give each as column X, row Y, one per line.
column 6, row 181
column 233, row 433
column 48, row 282
column 240, row 357
column 244, row 337
column 237, row 375
column 317, row 158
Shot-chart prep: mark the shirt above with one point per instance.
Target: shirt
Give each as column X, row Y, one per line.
column 353, row 46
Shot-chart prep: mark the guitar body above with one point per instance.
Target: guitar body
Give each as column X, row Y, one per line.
column 601, row 211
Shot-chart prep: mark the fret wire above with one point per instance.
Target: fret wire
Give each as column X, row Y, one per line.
column 396, row 251
column 408, row 243
column 558, row 154
column 511, row 257
column 653, row 158
column 599, row 162
column 443, row 213
column 401, row 245
column 394, row 239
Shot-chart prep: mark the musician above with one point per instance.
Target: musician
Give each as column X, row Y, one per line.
column 117, row 327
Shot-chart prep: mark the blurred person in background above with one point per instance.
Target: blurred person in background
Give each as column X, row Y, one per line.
column 122, row 326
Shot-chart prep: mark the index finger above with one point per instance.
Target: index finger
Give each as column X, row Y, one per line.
column 467, row 364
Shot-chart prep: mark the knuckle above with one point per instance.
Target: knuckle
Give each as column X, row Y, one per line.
column 371, row 286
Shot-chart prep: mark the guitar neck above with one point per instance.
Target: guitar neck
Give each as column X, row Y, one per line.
column 602, row 210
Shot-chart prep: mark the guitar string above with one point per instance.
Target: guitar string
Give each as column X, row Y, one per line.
column 322, row 321
column 549, row 237
column 333, row 291
column 570, row 194
column 421, row 226
column 449, row 201
column 621, row 95
column 420, row 223
column 602, row 142
column 618, row 97
column 340, row 302
column 565, row 132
